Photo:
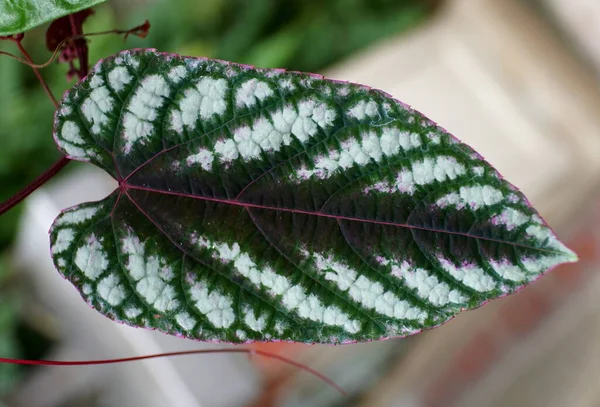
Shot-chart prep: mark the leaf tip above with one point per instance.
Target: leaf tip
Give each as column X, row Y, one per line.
column 569, row 255
column 564, row 255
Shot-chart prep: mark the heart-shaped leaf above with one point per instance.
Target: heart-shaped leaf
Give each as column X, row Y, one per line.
column 17, row 16
column 259, row 204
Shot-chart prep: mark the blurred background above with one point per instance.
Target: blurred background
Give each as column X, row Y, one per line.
column 518, row 80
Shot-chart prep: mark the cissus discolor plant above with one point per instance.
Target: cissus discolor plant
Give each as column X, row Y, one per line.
column 263, row 205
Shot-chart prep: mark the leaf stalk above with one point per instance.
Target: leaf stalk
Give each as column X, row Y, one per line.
column 38, row 182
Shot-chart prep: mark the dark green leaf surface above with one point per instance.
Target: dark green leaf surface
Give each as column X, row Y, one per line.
column 259, row 204
column 17, row 16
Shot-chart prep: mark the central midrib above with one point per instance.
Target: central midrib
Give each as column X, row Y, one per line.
column 330, row 216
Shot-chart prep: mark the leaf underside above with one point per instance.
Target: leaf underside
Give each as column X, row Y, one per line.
column 259, row 204
column 17, row 16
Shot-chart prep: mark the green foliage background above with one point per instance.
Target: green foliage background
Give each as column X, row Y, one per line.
column 305, row 35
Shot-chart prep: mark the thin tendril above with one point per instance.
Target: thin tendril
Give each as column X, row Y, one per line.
column 266, row 354
column 75, row 37
column 17, row 39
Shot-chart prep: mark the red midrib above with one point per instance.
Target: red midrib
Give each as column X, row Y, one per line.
column 327, row 215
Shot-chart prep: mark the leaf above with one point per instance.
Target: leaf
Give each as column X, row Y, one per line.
column 17, row 16
column 258, row 204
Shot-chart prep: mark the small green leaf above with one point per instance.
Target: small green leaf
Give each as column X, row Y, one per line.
column 17, row 16
column 258, row 204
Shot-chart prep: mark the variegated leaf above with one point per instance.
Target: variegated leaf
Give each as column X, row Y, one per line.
column 17, row 16
column 258, row 204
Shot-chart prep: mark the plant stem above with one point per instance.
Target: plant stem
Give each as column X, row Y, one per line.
column 38, row 182
column 37, row 73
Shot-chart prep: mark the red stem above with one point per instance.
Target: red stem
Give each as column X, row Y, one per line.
column 38, row 182
column 249, row 352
